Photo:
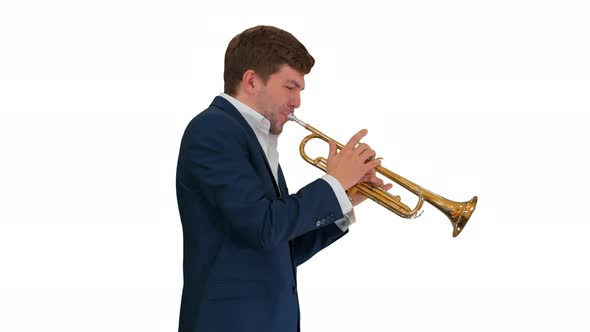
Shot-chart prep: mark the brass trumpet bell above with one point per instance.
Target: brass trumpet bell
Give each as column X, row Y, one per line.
column 457, row 212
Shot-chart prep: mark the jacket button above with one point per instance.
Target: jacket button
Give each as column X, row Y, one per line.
column 318, row 223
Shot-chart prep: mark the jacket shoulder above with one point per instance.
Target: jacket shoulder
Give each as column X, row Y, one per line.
column 214, row 122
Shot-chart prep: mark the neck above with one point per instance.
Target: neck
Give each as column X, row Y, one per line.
column 246, row 100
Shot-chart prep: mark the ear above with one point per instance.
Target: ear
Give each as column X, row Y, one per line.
column 250, row 81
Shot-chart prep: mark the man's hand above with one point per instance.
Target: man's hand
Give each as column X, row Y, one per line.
column 370, row 178
column 353, row 162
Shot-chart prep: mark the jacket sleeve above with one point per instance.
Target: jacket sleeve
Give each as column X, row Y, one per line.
column 215, row 151
column 309, row 244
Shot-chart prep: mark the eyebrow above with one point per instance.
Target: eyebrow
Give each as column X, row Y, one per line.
column 296, row 84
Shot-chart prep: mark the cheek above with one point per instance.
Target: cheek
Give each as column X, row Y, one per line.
column 285, row 96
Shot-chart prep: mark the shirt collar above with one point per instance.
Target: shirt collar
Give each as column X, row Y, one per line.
column 254, row 119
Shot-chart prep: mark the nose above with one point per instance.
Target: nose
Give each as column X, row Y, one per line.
column 295, row 100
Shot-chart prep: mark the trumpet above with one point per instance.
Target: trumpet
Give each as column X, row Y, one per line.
column 457, row 212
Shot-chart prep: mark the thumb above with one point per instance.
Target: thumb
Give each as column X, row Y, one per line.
column 333, row 149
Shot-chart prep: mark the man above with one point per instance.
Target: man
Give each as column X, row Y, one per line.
column 244, row 235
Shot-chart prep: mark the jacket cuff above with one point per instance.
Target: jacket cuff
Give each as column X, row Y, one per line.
column 341, row 195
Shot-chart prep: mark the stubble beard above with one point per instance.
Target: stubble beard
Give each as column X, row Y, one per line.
column 276, row 128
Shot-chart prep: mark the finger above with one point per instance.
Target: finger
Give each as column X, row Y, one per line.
column 333, row 149
column 376, row 181
column 369, row 175
column 362, row 147
column 354, row 140
column 387, row 187
column 368, row 154
column 372, row 164
column 366, row 178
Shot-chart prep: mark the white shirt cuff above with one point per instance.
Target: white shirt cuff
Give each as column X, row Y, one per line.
column 345, row 222
column 343, row 200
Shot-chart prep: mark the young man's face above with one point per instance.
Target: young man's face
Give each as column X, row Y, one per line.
column 280, row 96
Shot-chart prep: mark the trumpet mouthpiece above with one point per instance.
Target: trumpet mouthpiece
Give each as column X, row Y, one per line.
column 292, row 117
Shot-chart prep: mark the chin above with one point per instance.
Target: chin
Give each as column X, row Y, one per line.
column 276, row 130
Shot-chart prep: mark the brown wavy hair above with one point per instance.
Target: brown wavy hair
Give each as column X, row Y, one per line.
column 263, row 49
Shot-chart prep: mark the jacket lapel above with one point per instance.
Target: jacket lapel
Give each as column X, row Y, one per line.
column 225, row 106
column 282, row 182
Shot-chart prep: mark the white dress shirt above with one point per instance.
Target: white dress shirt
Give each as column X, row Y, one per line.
column 261, row 127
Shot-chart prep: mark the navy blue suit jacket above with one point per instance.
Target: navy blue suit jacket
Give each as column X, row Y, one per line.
column 243, row 234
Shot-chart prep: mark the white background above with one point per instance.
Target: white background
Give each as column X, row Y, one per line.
column 462, row 97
